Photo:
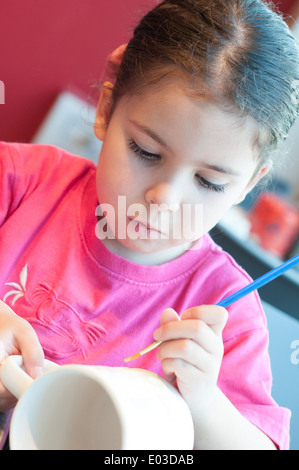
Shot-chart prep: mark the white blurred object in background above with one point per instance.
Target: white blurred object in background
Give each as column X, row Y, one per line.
column 69, row 125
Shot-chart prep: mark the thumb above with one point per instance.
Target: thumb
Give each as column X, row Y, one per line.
column 168, row 315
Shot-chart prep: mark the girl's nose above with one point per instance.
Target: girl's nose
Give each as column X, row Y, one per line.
column 164, row 196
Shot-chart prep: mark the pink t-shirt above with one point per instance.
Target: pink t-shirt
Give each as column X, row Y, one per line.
column 91, row 306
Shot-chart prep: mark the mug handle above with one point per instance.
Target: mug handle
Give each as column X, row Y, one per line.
column 15, row 379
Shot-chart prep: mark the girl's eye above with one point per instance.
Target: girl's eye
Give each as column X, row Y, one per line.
column 142, row 153
column 218, row 188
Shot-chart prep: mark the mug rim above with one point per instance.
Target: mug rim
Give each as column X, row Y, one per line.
column 61, row 370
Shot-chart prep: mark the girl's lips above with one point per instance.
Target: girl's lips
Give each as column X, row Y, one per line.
column 149, row 227
column 144, row 227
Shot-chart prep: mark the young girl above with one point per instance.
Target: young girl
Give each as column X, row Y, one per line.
column 199, row 99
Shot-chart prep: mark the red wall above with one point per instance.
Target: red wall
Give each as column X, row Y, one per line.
column 47, row 46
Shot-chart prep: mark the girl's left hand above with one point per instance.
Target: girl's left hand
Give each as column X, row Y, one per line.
column 191, row 352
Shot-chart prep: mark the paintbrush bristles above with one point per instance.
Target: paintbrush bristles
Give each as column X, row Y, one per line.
column 146, row 350
column 131, row 358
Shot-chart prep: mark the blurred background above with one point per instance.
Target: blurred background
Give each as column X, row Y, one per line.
column 52, row 56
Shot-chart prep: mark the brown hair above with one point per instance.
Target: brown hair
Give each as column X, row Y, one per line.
column 239, row 52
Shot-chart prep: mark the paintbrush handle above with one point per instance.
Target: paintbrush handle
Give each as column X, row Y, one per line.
column 257, row 284
column 260, row 282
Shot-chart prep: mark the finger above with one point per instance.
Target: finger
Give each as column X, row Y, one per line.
column 7, row 346
column 214, row 316
column 195, row 330
column 31, row 351
column 7, row 399
column 187, row 351
column 181, row 370
column 169, row 315
column 3, row 353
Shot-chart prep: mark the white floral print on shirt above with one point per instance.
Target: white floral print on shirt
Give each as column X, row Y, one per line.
column 69, row 330
column 19, row 289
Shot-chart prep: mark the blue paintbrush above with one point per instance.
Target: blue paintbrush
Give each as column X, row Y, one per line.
column 257, row 284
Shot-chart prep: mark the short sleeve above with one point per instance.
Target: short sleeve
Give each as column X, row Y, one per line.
column 7, row 174
column 44, row 172
column 246, row 380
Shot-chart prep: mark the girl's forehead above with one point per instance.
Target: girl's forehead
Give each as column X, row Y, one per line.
column 176, row 97
column 193, row 129
column 172, row 107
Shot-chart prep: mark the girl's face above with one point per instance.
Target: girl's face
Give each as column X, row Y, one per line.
column 170, row 155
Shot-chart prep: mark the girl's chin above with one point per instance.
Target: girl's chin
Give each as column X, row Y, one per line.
column 148, row 253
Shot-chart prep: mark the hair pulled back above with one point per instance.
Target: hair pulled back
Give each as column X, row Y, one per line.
column 238, row 52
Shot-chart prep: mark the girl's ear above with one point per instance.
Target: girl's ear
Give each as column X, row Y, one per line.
column 261, row 174
column 103, row 111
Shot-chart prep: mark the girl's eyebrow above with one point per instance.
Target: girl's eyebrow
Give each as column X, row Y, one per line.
column 157, row 138
column 220, row 169
column 150, row 133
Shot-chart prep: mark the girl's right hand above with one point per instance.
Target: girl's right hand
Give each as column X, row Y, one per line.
column 18, row 337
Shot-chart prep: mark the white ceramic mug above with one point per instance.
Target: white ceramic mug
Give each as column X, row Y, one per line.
column 75, row 407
